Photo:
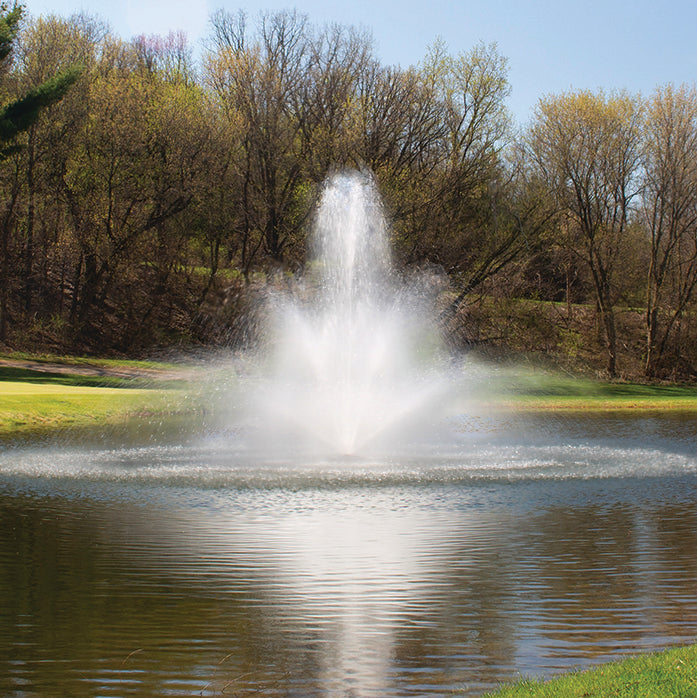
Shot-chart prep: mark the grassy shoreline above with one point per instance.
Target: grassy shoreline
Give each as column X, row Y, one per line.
column 542, row 391
column 43, row 394
column 29, row 407
column 671, row 672
column 586, row 405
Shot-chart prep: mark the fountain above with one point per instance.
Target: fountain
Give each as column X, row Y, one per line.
column 355, row 361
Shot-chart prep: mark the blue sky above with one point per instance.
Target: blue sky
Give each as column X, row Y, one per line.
column 552, row 46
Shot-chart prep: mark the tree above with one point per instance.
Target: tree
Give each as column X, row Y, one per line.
column 21, row 112
column 397, row 131
column 586, row 147
column 670, row 214
column 18, row 116
column 257, row 83
column 135, row 168
column 338, row 58
column 469, row 91
column 462, row 207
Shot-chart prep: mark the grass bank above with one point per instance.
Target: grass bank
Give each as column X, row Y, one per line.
column 41, row 397
column 26, row 407
column 669, row 673
column 538, row 391
column 49, row 393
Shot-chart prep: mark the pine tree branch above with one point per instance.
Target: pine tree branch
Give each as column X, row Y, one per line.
column 21, row 114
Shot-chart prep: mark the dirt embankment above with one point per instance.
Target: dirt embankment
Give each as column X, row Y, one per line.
column 88, row 369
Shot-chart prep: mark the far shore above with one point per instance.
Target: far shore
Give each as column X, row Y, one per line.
column 45, row 395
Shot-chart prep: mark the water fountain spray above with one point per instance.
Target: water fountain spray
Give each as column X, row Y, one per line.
column 353, row 355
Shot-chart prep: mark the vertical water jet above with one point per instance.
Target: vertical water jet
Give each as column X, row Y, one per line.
column 353, row 357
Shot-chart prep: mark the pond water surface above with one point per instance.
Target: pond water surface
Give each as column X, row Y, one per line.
column 519, row 549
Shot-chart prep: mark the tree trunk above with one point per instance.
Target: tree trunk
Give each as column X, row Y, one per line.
column 608, row 317
column 271, row 236
column 4, row 280
column 607, row 322
column 88, row 293
column 652, row 355
column 29, row 246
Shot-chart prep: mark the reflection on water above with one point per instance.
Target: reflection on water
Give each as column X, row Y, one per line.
column 188, row 570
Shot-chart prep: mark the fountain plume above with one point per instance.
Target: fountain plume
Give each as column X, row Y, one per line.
column 352, row 353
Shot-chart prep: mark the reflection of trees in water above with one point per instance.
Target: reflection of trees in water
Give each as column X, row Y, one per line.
column 545, row 591
column 604, row 575
column 674, row 531
column 473, row 611
column 587, row 579
column 522, row 578
column 85, row 607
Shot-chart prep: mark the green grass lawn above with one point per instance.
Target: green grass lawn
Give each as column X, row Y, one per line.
column 28, row 406
column 671, row 673
column 40, row 401
column 11, row 374
column 540, row 391
column 88, row 361
column 62, row 396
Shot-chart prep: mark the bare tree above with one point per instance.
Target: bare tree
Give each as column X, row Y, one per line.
column 670, row 210
column 586, row 148
column 256, row 83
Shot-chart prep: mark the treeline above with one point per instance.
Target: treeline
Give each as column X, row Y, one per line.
column 138, row 210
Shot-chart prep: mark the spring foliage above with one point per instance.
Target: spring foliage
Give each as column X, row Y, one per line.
column 145, row 192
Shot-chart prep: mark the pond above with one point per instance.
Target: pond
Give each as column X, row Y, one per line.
column 516, row 547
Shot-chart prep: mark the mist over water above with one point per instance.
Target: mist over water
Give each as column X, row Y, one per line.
column 353, row 360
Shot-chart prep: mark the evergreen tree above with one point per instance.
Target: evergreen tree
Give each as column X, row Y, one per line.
column 9, row 25
column 19, row 114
